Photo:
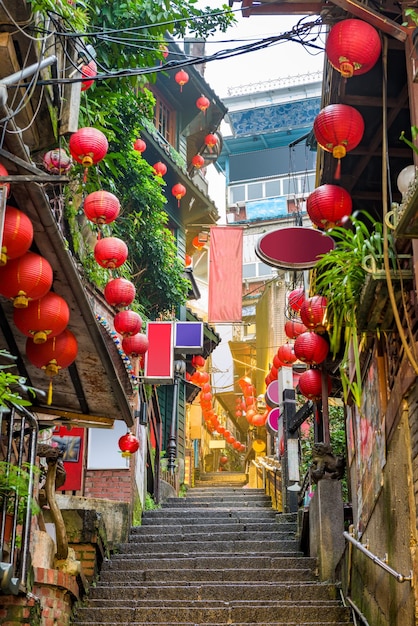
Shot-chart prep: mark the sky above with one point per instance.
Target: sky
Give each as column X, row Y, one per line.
column 278, row 61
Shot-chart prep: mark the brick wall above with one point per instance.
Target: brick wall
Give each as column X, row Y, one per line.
column 87, row 554
column 110, row 484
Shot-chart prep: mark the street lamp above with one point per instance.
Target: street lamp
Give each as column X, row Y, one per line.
column 179, row 370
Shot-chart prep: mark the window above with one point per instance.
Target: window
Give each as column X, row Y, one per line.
column 249, row 270
column 237, row 194
column 164, row 119
column 272, row 188
column 255, row 191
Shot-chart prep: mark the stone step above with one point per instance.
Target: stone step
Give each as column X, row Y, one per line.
column 211, row 534
column 200, row 515
column 206, row 546
column 132, row 574
column 298, row 623
column 233, row 497
column 182, row 593
column 218, row 613
column 275, row 562
column 223, row 526
column 212, row 503
column 207, row 490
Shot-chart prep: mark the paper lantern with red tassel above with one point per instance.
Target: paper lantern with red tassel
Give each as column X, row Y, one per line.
column 4, row 172
column 327, row 205
column 160, row 168
column 119, row 292
column 294, row 328
column 311, row 348
column 128, row 444
column 338, row 128
column 210, row 141
column 55, row 354
column 198, row 161
column 139, row 145
column 29, row 277
column 198, row 361
column 310, row 384
column 135, row 345
column 89, row 71
column 43, row 318
column 313, row 313
column 188, row 260
column 203, row 103
column 296, row 298
column 127, row 323
column 17, row 235
column 110, row 252
column 353, row 47
column 286, row 354
column 178, row 191
column 101, row 207
column 88, row 146
column 199, row 245
column 181, row 78
column 57, row 161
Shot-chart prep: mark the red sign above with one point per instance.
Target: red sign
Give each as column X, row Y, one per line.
column 159, row 362
column 293, row 248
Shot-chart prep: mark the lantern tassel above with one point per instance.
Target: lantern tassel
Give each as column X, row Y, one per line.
column 86, row 169
column 49, row 399
column 338, row 170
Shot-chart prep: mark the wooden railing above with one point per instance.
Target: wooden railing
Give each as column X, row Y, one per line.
column 268, row 477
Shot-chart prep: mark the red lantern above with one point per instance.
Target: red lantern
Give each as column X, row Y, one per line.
column 160, row 168
column 223, row 460
column 181, row 78
column 353, row 47
column 328, row 205
column 43, row 318
column 203, row 103
column 198, row 161
column 55, row 354
column 314, row 312
column 198, row 361
column 101, row 207
column 242, row 447
column 311, row 348
column 236, row 445
column 178, row 191
column 135, row 345
column 29, row 277
column 110, row 252
column 119, row 292
column 164, row 50
column 139, row 145
column 89, row 71
column 17, row 235
column 128, row 444
column 259, row 420
column 127, row 323
column 286, row 354
column 296, row 298
column 277, row 363
column 231, row 439
column 199, row 245
column 310, row 384
column 88, row 146
column 204, row 377
column 249, row 415
column 338, row 128
column 4, row 172
column 211, row 140
column 294, row 328
column 57, row 161
column 188, row 260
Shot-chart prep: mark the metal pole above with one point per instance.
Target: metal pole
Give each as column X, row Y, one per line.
column 28, row 71
column 179, row 369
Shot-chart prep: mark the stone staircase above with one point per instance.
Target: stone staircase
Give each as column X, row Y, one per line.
column 218, row 556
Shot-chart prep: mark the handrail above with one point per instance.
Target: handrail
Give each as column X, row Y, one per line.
column 399, row 577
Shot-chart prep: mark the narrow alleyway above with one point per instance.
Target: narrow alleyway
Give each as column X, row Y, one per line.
column 221, row 555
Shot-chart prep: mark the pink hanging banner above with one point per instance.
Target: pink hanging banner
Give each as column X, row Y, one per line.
column 225, row 274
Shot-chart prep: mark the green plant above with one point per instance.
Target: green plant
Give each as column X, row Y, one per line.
column 7, row 382
column 414, row 135
column 73, row 17
column 150, row 504
column 15, row 486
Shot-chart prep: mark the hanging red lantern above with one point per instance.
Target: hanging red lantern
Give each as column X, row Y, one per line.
column 210, row 141
column 160, row 168
column 236, row 445
column 198, row 361
column 88, row 146
column 353, row 47
column 128, row 444
column 242, row 447
column 127, row 323
column 223, row 460
column 313, row 313
column 139, row 145
column 188, row 260
column 4, row 172
column 311, row 348
column 110, row 252
column 204, row 377
column 203, row 103
column 164, row 50
column 274, row 373
column 199, row 245
column 119, row 292
column 101, row 207
column 259, row 420
column 277, row 363
column 89, row 71
column 296, row 298
column 294, row 328
column 198, row 161
column 328, row 205
column 43, row 318
column 286, row 354
column 231, row 439
column 135, row 345
column 178, row 191
column 338, row 128
column 57, row 161
column 29, row 277
column 181, row 78
column 17, row 235
column 310, row 384
column 55, row 354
